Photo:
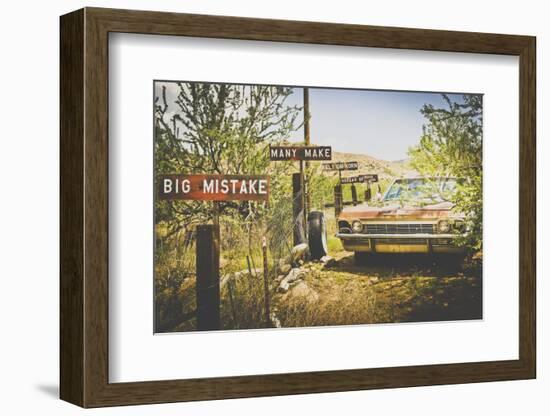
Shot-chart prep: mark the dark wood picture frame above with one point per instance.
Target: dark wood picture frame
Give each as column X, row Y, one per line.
column 84, row 207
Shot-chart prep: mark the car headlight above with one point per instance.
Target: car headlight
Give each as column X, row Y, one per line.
column 357, row 227
column 459, row 226
column 444, row 226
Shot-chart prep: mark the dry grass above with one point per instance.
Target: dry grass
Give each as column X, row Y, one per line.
column 385, row 290
column 347, row 304
column 349, row 294
column 242, row 303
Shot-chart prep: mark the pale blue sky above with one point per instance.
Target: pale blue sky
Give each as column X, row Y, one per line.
column 383, row 124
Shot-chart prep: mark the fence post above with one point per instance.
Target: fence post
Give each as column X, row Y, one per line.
column 354, row 194
column 208, row 278
column 337, row 200
column 266, row 283
column 298, row 209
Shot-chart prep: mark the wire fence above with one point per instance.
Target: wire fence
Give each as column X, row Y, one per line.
column 247, row 272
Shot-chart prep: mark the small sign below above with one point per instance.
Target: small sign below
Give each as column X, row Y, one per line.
column 369, row 178
column 308, row 153
column 341, row 166
column 213, row 187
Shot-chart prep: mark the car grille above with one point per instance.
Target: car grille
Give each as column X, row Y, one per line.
column 408, row 241
column 389, row 228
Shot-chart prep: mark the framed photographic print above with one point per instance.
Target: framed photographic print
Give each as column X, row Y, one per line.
column 257, row 207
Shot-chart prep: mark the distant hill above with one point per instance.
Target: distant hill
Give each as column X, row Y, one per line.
column 403, row 161
column 369, row 164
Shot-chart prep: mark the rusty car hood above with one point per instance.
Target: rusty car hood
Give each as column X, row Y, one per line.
column 397, row 212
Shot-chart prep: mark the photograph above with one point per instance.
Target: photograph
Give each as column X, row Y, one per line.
column 303, row 206
column 235, row 188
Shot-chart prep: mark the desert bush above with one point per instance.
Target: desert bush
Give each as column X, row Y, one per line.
column 451, row 145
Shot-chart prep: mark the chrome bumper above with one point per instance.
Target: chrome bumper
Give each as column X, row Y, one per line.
column 400, row 243
column 421, row 236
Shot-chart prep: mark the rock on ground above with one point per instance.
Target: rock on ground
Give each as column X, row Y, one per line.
column 293, row 276
column 283, row 287
column 280, row 278
column 301, row 289
column 299, row 252
column 284, row 268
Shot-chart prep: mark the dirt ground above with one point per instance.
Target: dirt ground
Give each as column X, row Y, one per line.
column 383, row 289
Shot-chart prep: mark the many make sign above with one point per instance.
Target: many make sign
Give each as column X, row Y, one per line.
column 307, row 153
column 214, row 187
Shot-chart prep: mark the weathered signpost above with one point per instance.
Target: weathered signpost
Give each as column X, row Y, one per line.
column 301, row 199
column 300, row 203
column 367, row 178
column 339, row 167
column 307, row 142
column 300, row 153
column 208, row 278
column 214, row 188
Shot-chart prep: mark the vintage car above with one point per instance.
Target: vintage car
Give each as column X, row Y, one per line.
column 413, row 216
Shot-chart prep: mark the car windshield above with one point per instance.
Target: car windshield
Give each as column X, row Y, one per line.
column 421, row 190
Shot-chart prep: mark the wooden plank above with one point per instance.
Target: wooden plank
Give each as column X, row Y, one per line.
column 338, row 200
column 339, row 166
column 306, row 153
column 369, row 178
column 213, row 187
column 226, row 27
column 354, row 194
column 528, row 209
column 71, row 322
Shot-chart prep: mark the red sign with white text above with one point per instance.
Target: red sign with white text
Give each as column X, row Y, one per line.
column 213, row 187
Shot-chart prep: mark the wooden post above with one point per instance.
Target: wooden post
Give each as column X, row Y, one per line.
column 306, row 116
column 266, row 283
column 338, row 200
column 298, row 209
column 307, row 141
column 304, row 201
column 354, row 194
column 368, row 193
column 231, row 301
column 208, row 278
